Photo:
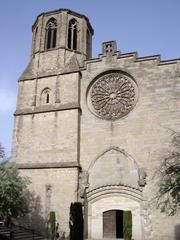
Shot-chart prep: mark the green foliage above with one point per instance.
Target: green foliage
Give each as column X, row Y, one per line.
column 2, row 154
column 52, row 222
column 127, row 225
column 76, row 221
column 12, row 201
column 169, row 186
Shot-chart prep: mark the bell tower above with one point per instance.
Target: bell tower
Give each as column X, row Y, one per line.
column 60, row 38
column 47, row 118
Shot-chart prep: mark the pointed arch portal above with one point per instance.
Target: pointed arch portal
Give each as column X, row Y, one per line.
column 114, row 197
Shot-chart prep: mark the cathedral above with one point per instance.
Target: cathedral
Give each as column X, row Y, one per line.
column 94, row 130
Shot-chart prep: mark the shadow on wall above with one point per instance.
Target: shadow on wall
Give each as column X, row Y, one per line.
column 34, row 220
column 177, row 232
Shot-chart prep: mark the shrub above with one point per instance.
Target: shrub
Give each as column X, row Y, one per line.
column 52, row 223
column 127, row 225
column 76, row 221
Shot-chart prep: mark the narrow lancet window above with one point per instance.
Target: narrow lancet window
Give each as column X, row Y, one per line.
column 46, row 96
column 51, row 32
column 35, row 41
column 88, row 44
column 72, row 34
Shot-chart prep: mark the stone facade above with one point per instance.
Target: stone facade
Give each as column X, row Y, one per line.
column 94, row 130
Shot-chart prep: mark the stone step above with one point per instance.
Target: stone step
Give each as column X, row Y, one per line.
column 20, row 233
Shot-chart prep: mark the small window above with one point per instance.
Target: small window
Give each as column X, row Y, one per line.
column 51, row 32
column 46, row 96
column 72, row 34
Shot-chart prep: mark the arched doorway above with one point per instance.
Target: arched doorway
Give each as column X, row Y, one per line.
column 117, row 224
column 113, row 186
column 117, row 200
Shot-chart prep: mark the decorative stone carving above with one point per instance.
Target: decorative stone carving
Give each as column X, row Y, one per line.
column 109, row 47
column 83, row 183
column 48, row 198
column 142, row 177
column 48, row 191
column 112, row 96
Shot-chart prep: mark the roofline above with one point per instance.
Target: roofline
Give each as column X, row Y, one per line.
column 69, row 11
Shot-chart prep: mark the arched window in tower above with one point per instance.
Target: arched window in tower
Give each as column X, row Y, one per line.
column 51, row 32
column 35, row 41
column 46, row 96
column 72, row 34
column 88, row 44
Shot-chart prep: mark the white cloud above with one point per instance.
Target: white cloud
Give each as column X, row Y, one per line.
column 7, row 100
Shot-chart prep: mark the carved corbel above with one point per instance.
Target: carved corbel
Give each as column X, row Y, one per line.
column 142, row 177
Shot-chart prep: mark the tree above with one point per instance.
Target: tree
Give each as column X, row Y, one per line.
column 2, row 154
column 169, row 187
column 12, row 201
column 76, row 222
column 52, row 223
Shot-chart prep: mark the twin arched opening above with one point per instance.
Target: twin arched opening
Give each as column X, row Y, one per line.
column 51, row 34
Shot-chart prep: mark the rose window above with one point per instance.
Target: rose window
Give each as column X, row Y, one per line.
column 112, row 95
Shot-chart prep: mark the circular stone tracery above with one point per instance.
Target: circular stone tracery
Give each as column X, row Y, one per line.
column 112, row 96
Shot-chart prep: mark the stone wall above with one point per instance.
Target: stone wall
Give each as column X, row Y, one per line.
column 111, row 118
column 50, row 190
column 145, row 133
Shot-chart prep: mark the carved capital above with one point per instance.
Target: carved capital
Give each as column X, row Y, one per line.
column 83, row 183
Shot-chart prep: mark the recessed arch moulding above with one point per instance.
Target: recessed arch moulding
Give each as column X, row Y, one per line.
column 113, row 181
column 115, row 167
column 113, row 201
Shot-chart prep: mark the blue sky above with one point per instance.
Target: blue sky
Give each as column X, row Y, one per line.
column 149, row 27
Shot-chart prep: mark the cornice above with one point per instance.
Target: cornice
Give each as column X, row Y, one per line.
column 26, row 166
